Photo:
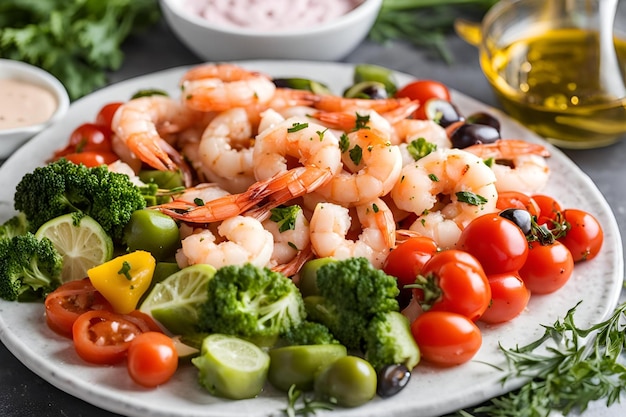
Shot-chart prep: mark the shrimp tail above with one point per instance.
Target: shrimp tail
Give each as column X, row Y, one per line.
column 150, row 152
column 294, row 266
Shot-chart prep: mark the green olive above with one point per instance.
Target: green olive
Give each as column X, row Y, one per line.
column 349, row 381
column 308, row 275
column 164, row 179
column 298, row 365
column 152, row 231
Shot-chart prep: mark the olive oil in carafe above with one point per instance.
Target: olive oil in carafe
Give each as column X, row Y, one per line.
column 552, row 84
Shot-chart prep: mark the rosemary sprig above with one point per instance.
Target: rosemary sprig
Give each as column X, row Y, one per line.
column 578, row 367
column 308, row 407
column 424, row 23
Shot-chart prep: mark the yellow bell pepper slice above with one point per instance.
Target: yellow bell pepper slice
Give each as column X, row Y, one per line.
column 124, row 279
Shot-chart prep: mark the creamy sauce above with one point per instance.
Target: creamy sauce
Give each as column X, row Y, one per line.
column 274, row 15
column 24, row 104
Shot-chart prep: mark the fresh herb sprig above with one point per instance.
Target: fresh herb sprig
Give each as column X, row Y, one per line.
column 580, row 366
column 77, row 41
column 424, row 23
column 308, row 406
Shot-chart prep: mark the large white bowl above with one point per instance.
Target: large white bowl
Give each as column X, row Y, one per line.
column 11, row 139
column 325, row 42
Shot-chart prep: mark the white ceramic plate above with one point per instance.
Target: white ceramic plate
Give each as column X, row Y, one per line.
column 431, row 392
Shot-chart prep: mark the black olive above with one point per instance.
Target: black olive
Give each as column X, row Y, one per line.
column 473, row 134
column 442, row 111
column 482, row 118
column 392, row 379
column 367, row 89
column 520, row 217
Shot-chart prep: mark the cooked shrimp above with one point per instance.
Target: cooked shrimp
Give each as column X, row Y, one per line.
column 358, row 118
column 407, row 130
column 246, row 242
column 225, row 150
column 290, row 230
column 371, row 168
column 333, row 103
column 518, row 165
column 139, row 124
column 218, row 87
column 330, row 224
column 450, row 183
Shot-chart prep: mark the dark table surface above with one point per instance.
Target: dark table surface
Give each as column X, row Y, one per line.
column 23, row 393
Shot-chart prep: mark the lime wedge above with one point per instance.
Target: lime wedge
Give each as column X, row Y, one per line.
column 81, row 241
column 231, row 367
column 174, row 301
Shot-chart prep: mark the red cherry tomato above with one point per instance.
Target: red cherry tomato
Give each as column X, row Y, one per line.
column 65, row 304
column 584, row 236
column 509, row 297
column 152, row 359
column 453, row 281
column 103, row 337
column 498, row 243
column 515, row 199
column 422, row 91
column 406, row 260
column 92, row 159
column 106, row 113
column 87, row 137
column 549, row 208
column 445, row 338
column 547, row 268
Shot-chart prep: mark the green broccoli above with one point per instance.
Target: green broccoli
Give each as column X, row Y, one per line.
column 389, row 341
column 251, row 302
column 357, row 302
column 309, row 333
column 15, row 226
column 351, row 292
column 62, row 187
column 29, row 268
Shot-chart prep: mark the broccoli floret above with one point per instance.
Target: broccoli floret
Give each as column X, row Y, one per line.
column 351, row 292
column 389, row 341
column 356, row 284
column 62, row 187
column 15, row 226
column 29, row 268
column 251, row 302
column 309, row 333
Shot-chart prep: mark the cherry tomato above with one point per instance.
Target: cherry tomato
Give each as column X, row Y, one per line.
column 498, row 243
column 547, row 268
column 584, row 236
column 106, row 113
column 92, row 159
column 422, row 91
column 87, row 137
column 152, row 359
column 65, row 304
column 103, row 337
column 445, row 338
column 406, row 260
column 454, row 281
column 515, row 199
column 549, row 208
column 509, row 297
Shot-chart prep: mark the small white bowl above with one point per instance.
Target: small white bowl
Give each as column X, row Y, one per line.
column 11, row 139
column 324, row 42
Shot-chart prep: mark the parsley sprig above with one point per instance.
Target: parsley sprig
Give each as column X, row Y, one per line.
column 577, row 366
column 77, row 41
column 424, row 23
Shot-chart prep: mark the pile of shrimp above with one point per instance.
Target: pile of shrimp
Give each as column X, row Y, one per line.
column 341, row 167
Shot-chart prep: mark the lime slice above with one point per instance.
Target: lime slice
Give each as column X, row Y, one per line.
column 81, row 241
column 174, row 301
column 231, row 367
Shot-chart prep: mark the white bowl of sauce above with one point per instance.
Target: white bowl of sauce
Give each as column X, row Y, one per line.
column 30, row 100
column 223, row 30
